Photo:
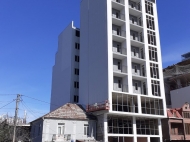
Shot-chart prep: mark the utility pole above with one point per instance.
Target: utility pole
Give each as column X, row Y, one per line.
column 15, row 118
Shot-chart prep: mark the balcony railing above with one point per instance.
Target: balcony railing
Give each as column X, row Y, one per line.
column 119, row 16
column 142, row 73
column 120, row 50
column 143, row 91
column 122, row 69
column 137, row 7
column 122, row 88
column 119, row 1
column 119, row 33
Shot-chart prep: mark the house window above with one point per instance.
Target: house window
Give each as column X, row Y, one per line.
column 155, row 88
column 150, row 22
column 76, row 84
column 153, row 54
column 76, row 58
column 154, row 71
column 77, row 33
column 77, row 46
column 186, row 114
column 86, row 129
column 76, row 71
column 151, row 38
column 149, row 7
column 76, row 98
column 61, row 128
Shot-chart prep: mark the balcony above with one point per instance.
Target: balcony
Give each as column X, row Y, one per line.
column 119, row 35
column 139, row 87
column 119, row 71
column 136, row 39
column 118, row 19
column 134, row 8
column 118, row 4
column 120, row 87
column 137, row 55
column 136, row 25
column 119, row 52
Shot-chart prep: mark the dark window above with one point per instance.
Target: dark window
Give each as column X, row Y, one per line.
column 151, row 38
column 135, row 69
column 76, row 84
column 76, row 58
column 119, row 83
column 76, row 99
column 119, row 65
column 149, row 7
column 136, row 86
column 77, row 46
column 76, row 71
column 77, row 33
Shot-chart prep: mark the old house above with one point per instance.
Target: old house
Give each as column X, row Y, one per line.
column 68, row 123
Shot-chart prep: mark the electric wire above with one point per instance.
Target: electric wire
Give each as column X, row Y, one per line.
column 7, row 104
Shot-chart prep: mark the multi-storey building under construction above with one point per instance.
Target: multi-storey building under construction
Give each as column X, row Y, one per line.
column 113, row 67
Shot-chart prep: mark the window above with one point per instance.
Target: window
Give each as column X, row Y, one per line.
column 119, row 65
column 134, row 51
column 77, row 46
column 133, row 36
column 76, row 84
column 119, row 83
column 155, row 88
column 76, row 71
column 149, row 8
column 186, row 114
column 76, row 58
column 151, row 38
column 150, row 22
column 118, row 48
column 86, row 129
column 144, row 88
column 187, row 128
column 135, row 69
column 76, row 98
column 136, row 86
column 61, row 128
column 77, row 33
column 143, row 70
column 153, row 54
column 154, row 70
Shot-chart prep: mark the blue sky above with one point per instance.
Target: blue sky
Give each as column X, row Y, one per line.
column 28, row 42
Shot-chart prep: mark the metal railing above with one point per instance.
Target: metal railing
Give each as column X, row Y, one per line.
column 122, row 69
column 122, row 88
column 140, row 56
column 142, row 73
column 119, row 1
column 98, row 106
column 119, row 16
column 119, row 33
column 119, row 50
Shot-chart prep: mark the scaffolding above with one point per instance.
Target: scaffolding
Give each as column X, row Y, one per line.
column 152, row 106
column 124, row 103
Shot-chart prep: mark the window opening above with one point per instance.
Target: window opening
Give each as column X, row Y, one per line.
column 76, row 98
column 119, row 83
column 77, row 33
column 134, row 51
column 155, row 88
column 76, row 84
column 153, row 54
column 135, row 69
column 151, row 38
column 119, row 65
column 86, row 129
column 136, row 86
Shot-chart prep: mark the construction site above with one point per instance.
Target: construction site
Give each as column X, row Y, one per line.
column 177, row 82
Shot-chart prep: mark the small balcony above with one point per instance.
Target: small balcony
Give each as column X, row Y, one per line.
column 118, row 18
column 136, row 24
column 137, row 39
column 120, row 2
column 139, row 87
column 119, row 35
column 134, row 8
column 120, row 71
column 137, row 55
column 120, row 87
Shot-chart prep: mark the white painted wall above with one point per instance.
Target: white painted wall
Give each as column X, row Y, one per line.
column 93, row 76
column 180, row 96
column 50, row 127
column 63, row 71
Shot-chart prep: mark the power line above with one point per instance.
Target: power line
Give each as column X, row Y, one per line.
column 38, row 100
column 7, row 104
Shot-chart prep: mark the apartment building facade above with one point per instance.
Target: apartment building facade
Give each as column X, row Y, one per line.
column 121, row 79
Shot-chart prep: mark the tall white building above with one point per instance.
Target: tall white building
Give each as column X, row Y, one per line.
column 120, row 76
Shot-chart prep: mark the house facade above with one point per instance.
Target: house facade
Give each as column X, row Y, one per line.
column 177, row 125
column 68, row 123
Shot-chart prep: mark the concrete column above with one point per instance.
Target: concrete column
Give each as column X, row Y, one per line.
column 148, row 139
column 160, row 129
column 139, row 104
column 105, row 128
column 134, row 129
